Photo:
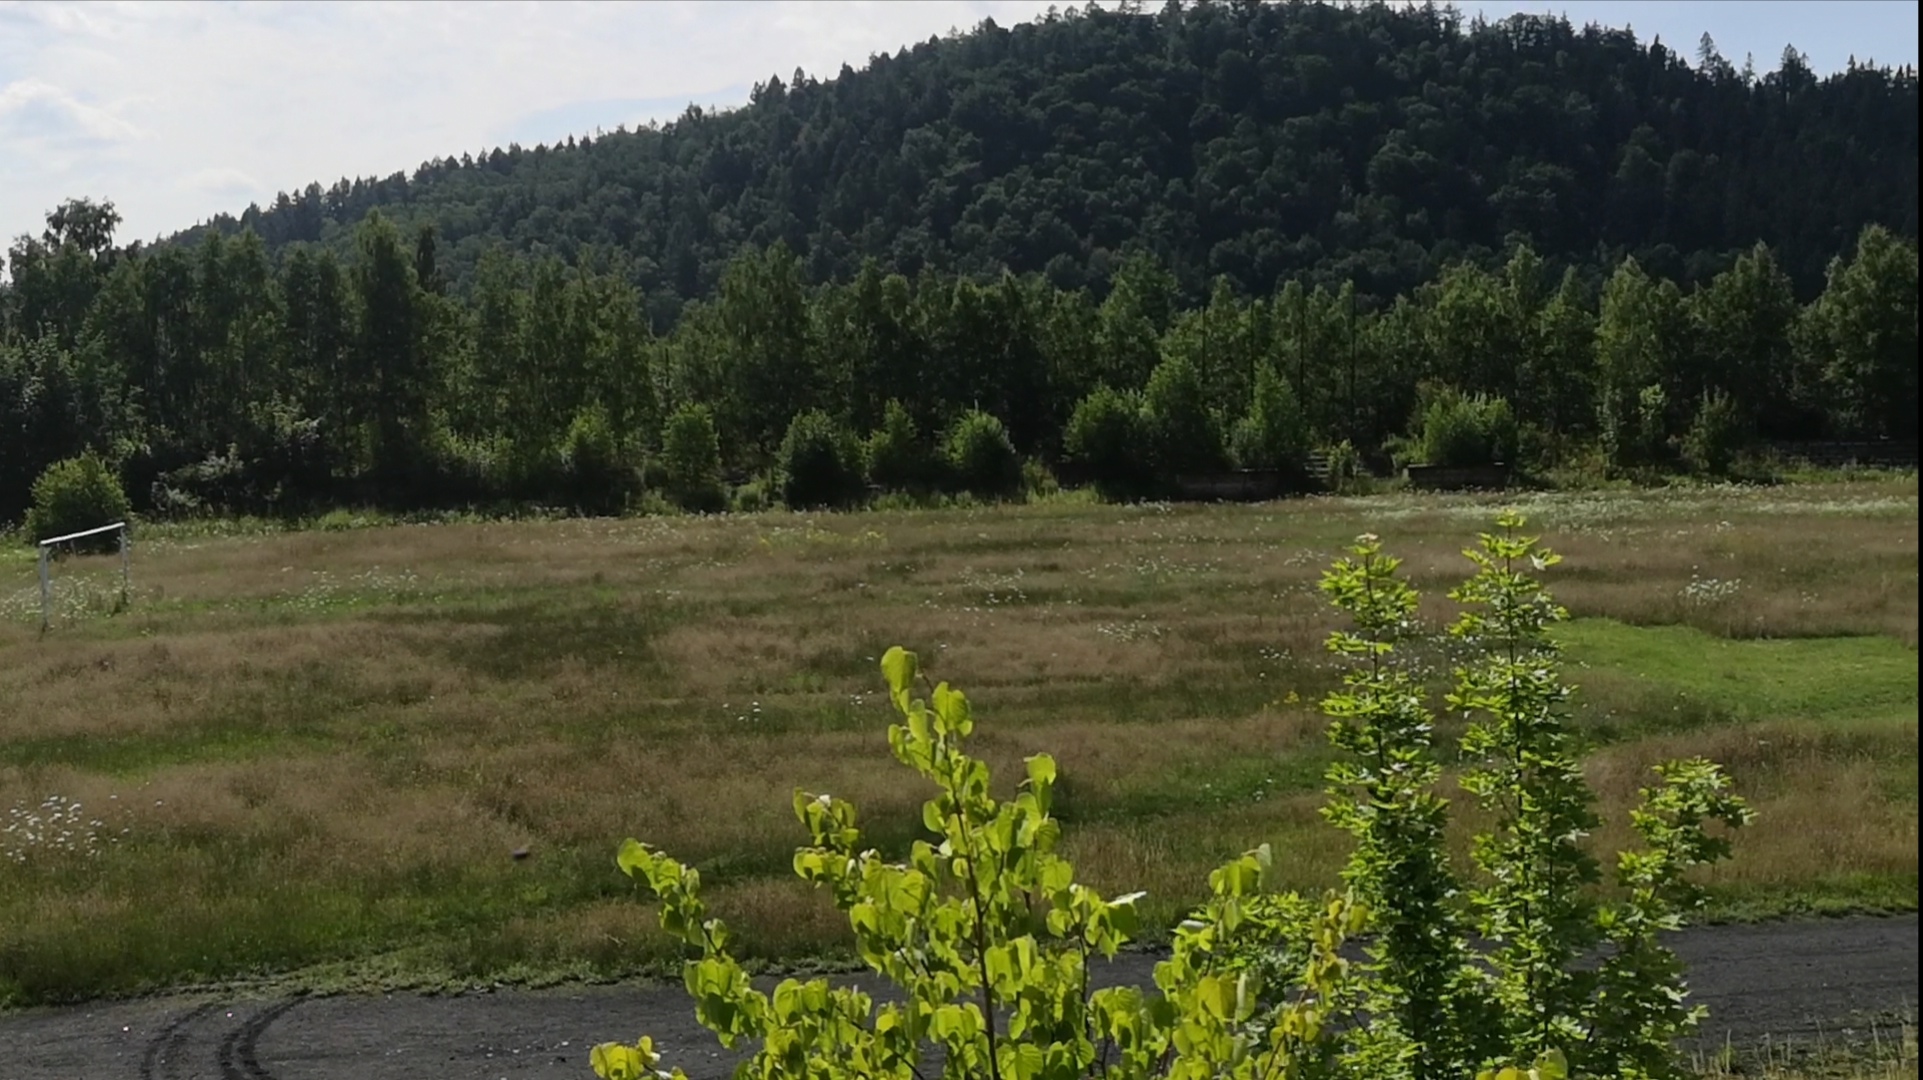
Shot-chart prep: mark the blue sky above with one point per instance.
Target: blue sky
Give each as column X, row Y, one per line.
column 176, row 111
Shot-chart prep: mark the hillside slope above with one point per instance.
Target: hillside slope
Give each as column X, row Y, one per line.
column 1258, row 141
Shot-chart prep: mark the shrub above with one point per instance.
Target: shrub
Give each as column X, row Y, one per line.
column 1494, row 977
column 1037, row 480
column 1715, row 436
column 981, row 459
column 1347, row 473
column 1274, row 435
column 971, row 945
column 1184, row 435
column 752, row 497
column 691, row 460
column 819, row 463
column 1107, row 436
column 74, row 495
column 214, row 485
column 898, row 459
column 1467, row 430
column 599, row 477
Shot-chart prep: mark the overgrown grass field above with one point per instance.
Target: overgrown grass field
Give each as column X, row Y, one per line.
column 320, row 752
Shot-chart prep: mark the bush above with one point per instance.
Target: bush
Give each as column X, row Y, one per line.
column 1347, row 472
column 1715, row 436
column 752, row 497
column 691, row 460
column 599, row 477
column 819, row 463
column 75, row 495
column 898, row 459
column 1467, row 430
column 981, row 460
column 1037, row 481
column 1274, row 435
column 1107, row 436
column 1184, row 435
column 1493, row 975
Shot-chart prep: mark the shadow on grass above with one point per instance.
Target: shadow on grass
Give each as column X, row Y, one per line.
column 531, row 638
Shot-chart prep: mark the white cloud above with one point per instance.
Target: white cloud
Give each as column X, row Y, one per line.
column 221, row 181
column 194, row 109
column 31, row 108
column 177, row 111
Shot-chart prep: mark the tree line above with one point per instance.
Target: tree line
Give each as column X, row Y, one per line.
column 1262, row 142
column 225, row 378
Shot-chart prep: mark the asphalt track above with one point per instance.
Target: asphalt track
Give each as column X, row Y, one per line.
column 1792, row 980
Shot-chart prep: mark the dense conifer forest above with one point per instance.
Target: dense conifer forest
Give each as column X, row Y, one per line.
column 1132, row 243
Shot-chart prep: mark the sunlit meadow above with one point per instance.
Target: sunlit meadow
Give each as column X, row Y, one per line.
column 405, row 753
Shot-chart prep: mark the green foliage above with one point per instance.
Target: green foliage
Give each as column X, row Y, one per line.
column 1563, row 377
column 988, row 936
column 1383, row 795
column 820, row 463
column 419, row 340
column 1525, row 772
column 1863, row 331
column 1184, row 435
column 1346, row 471
column 752, row 497
column 1529, row 997
column 1107, row 435
column 1458, row 429
column 1037, row 480
column 1744, row 324
column 691, row 460
column 1274, row 434
column 990, row 939
column 980, row 458
column 1039, row 116
column 898, row 458
column 74, row 495
column 599, row 474
column 1652, row 423
column 1641, row 333
column 1633, row 430
column 1715, row 435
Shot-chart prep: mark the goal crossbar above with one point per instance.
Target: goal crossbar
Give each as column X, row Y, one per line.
column 46, row 573
column 82, row 534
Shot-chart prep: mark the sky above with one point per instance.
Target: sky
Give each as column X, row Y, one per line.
column 178, row 111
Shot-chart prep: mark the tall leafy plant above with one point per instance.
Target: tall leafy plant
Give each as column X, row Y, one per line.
column 691, row 459
column 990, row 937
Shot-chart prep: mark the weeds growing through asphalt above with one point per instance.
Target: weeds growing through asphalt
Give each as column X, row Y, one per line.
column 1877, row 1048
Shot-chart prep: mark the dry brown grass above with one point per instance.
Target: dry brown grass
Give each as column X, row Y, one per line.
column 324, row 745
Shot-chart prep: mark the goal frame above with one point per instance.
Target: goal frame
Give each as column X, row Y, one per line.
column 46, row 566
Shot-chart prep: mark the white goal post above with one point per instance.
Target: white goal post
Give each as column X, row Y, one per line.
column 46, row 571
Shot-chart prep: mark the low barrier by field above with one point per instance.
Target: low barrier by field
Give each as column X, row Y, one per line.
column 1226, row 485
column 1239, row 485
column 1840, row 453
column 1457, row 477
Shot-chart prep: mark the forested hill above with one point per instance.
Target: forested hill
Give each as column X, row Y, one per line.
column 1264, row 142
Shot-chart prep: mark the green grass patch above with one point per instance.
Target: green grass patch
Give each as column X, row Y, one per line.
column 1824, row 680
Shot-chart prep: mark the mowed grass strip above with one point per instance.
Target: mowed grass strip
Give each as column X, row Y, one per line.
column 318, row 752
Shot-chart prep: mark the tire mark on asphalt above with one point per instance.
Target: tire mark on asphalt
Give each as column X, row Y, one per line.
column 165, row 1048
column 240, row 1050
